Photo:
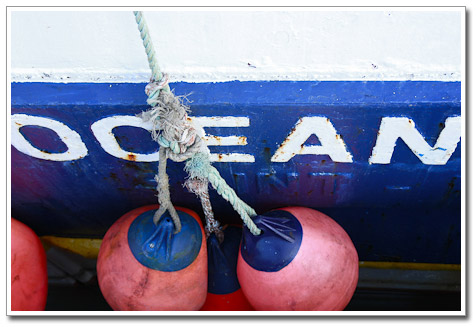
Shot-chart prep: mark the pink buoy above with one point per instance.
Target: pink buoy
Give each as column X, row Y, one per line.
column 303, row 260
column 147, row 267
column 29, row 274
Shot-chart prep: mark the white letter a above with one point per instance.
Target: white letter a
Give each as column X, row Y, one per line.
column 331, row 143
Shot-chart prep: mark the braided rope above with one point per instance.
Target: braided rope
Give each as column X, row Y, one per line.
column 244, row 210
column 149, row 50
column 179, row 141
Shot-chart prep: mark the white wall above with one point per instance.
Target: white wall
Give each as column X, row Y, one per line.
column 220, row 45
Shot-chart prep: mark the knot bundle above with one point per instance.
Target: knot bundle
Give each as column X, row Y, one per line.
column 171, row 126
column 174, row 131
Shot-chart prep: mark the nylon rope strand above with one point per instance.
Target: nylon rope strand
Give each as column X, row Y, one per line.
column 174, row 131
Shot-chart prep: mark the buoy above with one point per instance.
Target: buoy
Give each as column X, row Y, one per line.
column 224, row 291
column 29, row 274
column 144, row 267
column 303, row 260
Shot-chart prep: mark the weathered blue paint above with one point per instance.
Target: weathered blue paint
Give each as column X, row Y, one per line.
column 158, row 247
column 278, row 243
column 331, row 93
column 402, row 211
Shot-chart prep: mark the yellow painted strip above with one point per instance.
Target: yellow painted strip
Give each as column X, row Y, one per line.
column 408, row 265
column 87, row 247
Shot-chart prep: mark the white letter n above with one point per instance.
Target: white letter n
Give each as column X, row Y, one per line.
column 392, row 128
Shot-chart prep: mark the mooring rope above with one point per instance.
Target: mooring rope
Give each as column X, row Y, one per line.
column 178, row 140
column 149, row 48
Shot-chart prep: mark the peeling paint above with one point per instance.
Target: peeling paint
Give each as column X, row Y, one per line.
column 331, row 144
column 393, row 128
column 75, row 146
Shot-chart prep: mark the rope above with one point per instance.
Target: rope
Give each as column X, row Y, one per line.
column 244, row 210
column 178, row 140
column 149, row 49
column 162, row 180
column 200, row 188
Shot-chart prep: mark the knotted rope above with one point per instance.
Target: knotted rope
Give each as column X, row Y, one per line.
column 173, row 130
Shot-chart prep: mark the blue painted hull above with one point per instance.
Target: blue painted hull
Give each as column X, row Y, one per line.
column 402, row 211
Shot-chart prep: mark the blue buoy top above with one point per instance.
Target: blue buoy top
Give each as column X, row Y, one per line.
column 157, row 247
column 222, row 260
column 278, row 243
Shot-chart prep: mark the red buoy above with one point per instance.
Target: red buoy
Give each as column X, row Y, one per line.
column 224, row 291
column 303, row 260
column 29, row 274
column 147, row 267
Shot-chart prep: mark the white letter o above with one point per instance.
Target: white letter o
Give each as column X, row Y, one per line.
column 76, row 148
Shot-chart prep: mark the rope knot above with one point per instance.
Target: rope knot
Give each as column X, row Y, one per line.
column 178, row 140
column 172, row 128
